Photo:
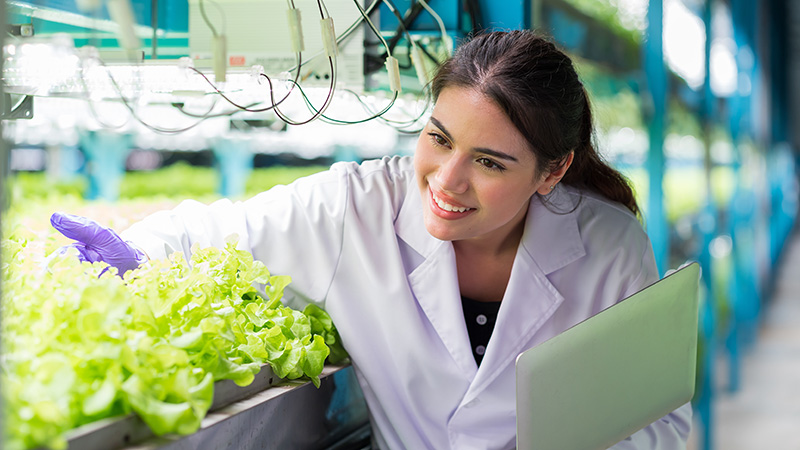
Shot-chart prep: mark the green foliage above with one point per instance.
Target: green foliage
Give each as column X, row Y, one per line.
column 682, row 121
column 176, row 181
column 613, row 100
column 609, row 14
column 81, row 343
column 265, row 178
column 24, row 186
column 684, row 189
column 185, row 181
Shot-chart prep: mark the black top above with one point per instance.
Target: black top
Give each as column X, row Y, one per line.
column 480, row 318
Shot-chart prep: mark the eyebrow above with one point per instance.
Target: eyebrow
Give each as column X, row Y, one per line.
column 487, row 151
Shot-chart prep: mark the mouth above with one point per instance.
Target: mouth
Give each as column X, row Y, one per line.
column 445, row 206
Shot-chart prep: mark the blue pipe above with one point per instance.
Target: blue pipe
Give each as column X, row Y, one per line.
column 656, row 75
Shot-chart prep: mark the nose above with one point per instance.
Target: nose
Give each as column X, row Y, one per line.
column 452, row 173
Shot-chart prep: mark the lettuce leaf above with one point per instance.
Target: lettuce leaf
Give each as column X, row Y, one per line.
column 80, row 343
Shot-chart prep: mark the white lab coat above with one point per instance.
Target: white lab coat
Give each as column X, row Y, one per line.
column 354, row 242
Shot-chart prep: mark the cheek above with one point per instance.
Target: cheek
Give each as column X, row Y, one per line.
column 509, row 199
column 422, row 159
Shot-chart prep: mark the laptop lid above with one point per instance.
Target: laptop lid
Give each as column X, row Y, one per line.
column 614, row 373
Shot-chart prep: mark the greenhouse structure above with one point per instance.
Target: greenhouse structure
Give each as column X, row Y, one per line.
column 131, row 116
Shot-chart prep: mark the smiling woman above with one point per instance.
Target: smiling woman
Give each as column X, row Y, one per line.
column 536, row 88
column 439, row 270
column 474, row 170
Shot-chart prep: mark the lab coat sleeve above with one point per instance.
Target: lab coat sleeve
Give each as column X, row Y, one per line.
column 671, row 431
column 294, row 230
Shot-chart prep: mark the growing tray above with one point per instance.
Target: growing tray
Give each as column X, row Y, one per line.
column 270, row 413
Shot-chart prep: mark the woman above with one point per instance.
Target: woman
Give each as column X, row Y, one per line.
column 504, row 230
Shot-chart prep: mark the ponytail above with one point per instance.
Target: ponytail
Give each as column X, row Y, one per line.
column 589, row 171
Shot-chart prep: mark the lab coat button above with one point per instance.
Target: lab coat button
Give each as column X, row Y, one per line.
column 481, row 319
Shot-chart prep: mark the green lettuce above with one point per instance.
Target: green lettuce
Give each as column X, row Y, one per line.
column 81, row 343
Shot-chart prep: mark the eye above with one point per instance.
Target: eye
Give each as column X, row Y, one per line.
column 438, row 139
column 490, row 164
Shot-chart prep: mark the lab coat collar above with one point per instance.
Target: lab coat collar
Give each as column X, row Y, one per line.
column 551, row 237
column 550, row 241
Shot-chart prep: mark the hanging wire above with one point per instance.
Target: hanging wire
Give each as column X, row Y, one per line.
column 333, row 121
column 396, row 13
column 427, row 53
column 294, row 83
column 317, row 113
column 399, row 125
column 206, row 19
column 346, row 33
column 139, row 119
column 375, row 115
column 249, row 108
column 402, row 25
column 372, row 26
column 331, row 61
column 439, row 21
column 402, row 125
column 91, row 102
column 180, row 107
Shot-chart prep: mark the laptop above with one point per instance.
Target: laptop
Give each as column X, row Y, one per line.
column 612, row 374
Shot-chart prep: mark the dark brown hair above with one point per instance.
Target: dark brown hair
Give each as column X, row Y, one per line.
column 537, row 87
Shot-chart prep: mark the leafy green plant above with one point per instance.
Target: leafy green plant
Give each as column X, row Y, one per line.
column 81, row 343
column 176, row 181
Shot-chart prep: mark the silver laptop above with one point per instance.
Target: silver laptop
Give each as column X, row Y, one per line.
column 612, row 374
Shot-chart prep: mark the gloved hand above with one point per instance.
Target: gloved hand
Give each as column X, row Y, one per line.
column 98, row 243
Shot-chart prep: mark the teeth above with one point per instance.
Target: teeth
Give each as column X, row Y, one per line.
column 447, row 206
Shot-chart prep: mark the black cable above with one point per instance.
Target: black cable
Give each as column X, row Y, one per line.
column 130, row 108
column 396, row 124
column 476, row 17
column 331, row 90
column 347, row 32
column 138, row 119
column 401, row 23
column 285, row 118
column 350, row 122
column 245, row 108
column 428, row 54
column 405, row 23
column 180, row 107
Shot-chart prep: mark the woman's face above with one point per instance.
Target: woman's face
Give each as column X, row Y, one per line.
column 475, row 171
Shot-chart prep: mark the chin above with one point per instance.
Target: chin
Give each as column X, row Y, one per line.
column 440, row 231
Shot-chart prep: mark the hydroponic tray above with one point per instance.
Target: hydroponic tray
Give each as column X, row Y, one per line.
column 270, row 413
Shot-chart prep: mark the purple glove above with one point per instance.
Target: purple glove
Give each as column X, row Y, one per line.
column 98, row 243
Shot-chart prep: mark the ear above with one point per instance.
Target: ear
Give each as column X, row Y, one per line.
column 555, row 176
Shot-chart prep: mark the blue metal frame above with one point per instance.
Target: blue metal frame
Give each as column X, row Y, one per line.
column 708, row 231
column 234, row 163
column 173, row 15
column 656, row 75
column 494, row 14
column 106, row 152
